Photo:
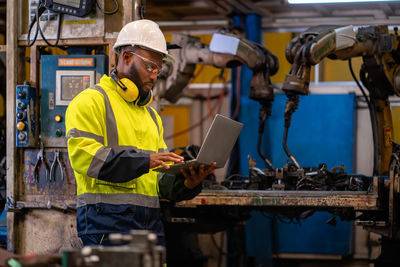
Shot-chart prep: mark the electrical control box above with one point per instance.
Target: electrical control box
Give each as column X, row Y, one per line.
column 62, row 78
column 26, row 116
column 90, row 26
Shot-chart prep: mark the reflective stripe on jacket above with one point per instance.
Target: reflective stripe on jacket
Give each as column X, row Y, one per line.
column 101, row 127
column 109, row 143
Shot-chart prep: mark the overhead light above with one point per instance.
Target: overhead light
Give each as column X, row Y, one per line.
column 334, row 1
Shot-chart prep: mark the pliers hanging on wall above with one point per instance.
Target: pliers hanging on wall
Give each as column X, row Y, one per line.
column 39, row 161
column 53, row 168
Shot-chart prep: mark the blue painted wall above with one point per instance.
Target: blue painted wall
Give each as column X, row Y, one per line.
column 322, row 131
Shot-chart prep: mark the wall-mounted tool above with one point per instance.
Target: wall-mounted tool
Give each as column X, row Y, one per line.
column 62, row 78
column 25, row 116
column 40, row 160
column 53, row 169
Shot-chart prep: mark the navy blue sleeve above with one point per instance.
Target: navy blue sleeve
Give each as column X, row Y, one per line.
column 124, row 166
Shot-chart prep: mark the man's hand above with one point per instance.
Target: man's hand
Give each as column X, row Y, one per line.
column 194, row 178
column 161, row 159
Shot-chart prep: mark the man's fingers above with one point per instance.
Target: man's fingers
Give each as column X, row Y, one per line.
column 185, row 173
column 175, row 156
column 192, row 171
column 201, row 170
column 163, row 158
column 164, row 165
column 212, row 167
column 160, row 162
column 171, row 157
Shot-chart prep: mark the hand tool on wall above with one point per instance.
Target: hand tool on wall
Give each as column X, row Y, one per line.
column 53, row 168
column 40, row 160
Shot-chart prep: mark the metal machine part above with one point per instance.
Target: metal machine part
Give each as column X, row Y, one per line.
column 225, row 51
column 139, row 249
column 292, row 178
column 379, row 74
column 139, row 7
column 192, row 52
column 63, row 77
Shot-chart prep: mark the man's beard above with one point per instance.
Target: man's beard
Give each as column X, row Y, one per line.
column 134, row 77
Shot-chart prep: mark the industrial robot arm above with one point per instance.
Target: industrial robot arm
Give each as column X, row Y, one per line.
column 379, row 74
column 225, row 51
column 241, row 52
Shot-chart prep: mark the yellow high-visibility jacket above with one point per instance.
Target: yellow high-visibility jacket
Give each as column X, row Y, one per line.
column 109, row 145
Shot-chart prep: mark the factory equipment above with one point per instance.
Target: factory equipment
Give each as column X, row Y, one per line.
column 63, row 77
column 26, row 118
column 226, row 50
column 138, row 248
column 379, row 50
column 379, row 74
column 292, row 191
column 75, row 8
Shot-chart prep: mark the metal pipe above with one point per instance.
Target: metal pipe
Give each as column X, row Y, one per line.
column 265, row 112
column 139, row 8
column 291, row 105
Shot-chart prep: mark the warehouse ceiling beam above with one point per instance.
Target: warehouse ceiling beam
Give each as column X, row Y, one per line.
column 325, row 12
column 274, row 13
column 220, row 6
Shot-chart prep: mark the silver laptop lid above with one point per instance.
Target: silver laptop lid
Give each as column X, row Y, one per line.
column 219, row 141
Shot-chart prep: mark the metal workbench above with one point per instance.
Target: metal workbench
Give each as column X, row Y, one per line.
column 358, row 200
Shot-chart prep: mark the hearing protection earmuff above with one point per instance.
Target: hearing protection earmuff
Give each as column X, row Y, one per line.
column 130, row 92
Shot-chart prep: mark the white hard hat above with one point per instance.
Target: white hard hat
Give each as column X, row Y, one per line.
column 145, row 33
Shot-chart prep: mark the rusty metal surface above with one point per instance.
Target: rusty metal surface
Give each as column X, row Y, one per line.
column 47, row 232
column 45, row 190
column 360, row 200
column 62, row 206
column 45, row 210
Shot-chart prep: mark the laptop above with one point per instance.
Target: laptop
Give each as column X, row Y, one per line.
column 217, row 145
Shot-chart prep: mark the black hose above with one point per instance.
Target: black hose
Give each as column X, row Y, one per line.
column 108, row 12
column 265, row 111
column 358, row 84
column 291, row 106
column 373, row 117
column 285, row 134
column 39, row 11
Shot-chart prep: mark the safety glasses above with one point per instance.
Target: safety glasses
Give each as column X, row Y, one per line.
column 150, row 66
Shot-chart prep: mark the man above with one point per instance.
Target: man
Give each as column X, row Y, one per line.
column 115, row 140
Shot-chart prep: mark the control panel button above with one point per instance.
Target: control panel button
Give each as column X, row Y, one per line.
column 21, row 115
column 58, row 132
column 57, row 118
column 21, row 105
column 21, row 95
column 20, row 125
column 22, row 136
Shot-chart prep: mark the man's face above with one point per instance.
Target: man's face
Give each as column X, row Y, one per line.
column 143, row 68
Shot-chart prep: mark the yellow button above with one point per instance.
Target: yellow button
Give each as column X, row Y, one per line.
column 57, row 118
column 20, row 125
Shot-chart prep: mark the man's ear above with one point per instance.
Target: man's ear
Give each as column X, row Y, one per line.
column 126, row 57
